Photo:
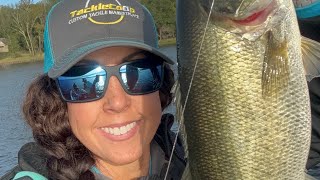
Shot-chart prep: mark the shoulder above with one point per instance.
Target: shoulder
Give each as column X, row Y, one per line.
column 314, row 91
column 165, row 139
column 11, row 173
column 31, row 160
column 314, row 86
column 314, row 154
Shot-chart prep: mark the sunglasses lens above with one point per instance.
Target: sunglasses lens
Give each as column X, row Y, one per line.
column 142, row 77
column 82, row 83
column 85, row 83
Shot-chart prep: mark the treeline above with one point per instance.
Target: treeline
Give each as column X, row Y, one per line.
column 22, row 24
column 164, row 13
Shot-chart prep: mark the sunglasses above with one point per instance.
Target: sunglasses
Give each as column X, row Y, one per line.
column 89, row 81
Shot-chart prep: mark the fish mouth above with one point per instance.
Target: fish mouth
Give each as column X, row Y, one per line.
column 256, row 17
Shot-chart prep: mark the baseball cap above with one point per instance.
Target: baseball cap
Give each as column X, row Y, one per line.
column 76, row 28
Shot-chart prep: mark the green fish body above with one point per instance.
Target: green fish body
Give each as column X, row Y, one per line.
column 247, row 114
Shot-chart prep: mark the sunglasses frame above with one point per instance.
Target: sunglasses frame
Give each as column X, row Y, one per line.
column 115, row 71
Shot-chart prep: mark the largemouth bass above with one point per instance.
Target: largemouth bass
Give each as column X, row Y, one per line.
column 244, row 100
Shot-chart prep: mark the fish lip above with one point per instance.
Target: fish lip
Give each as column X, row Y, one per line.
column 256, row 17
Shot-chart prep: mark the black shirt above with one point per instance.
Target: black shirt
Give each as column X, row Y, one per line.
column 314, row 155
column 310, row 29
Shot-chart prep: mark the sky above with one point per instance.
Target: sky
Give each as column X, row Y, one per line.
column 10, row 2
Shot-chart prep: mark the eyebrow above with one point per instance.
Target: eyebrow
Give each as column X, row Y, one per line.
column 86, row 62
column 133, row 55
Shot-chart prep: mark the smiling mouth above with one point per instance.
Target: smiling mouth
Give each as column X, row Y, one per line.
column 121, row 132
column 117, row 131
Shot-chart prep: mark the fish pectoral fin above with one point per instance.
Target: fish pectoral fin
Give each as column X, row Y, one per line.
column 311, row 57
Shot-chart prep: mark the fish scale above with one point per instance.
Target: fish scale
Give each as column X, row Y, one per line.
column 233, row 130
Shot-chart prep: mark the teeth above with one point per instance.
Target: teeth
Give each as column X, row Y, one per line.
column 116, row 131
column 123, row 129
column 120, row 130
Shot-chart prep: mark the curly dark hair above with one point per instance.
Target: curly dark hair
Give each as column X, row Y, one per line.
column 46, row 113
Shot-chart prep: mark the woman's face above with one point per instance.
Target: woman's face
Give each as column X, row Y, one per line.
column 119, row 127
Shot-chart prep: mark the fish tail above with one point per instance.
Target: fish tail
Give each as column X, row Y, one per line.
column 311, row 57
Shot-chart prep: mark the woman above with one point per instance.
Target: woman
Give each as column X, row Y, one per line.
column 117, row 133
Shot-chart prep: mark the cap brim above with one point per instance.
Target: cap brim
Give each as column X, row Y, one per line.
column 78, row 53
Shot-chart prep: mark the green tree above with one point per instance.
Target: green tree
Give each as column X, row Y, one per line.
column 23, row 24
column 41, row 10
column 24, row 21
column 6, row 31
column 164, row 13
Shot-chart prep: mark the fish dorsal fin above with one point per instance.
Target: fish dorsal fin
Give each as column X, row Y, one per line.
column 311, row 57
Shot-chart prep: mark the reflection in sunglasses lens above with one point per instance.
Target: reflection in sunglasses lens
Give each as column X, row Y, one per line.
column 140, row 80
column 87, row 86
column 86, row 83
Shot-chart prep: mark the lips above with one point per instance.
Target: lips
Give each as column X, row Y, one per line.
column 120, row 132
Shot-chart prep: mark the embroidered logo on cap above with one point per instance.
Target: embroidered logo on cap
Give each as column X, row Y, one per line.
column 103, row 13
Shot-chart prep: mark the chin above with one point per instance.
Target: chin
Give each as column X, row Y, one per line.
column 126, row 156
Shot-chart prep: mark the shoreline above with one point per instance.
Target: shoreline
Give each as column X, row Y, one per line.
column 167, row 42
column 26, row 58
column 21, row 60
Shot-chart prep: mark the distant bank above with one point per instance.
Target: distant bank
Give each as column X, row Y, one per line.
column 167, row 42
column 26, row 58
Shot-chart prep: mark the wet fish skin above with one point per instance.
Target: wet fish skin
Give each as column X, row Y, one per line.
column 247, row 115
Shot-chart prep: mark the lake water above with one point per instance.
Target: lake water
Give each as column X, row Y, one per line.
column 13, row 130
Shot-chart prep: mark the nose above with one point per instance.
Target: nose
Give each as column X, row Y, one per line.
column 116, row 100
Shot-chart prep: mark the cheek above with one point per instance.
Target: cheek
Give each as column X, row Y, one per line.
column 151, row 111
column 150, row 105
column 81, row 116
